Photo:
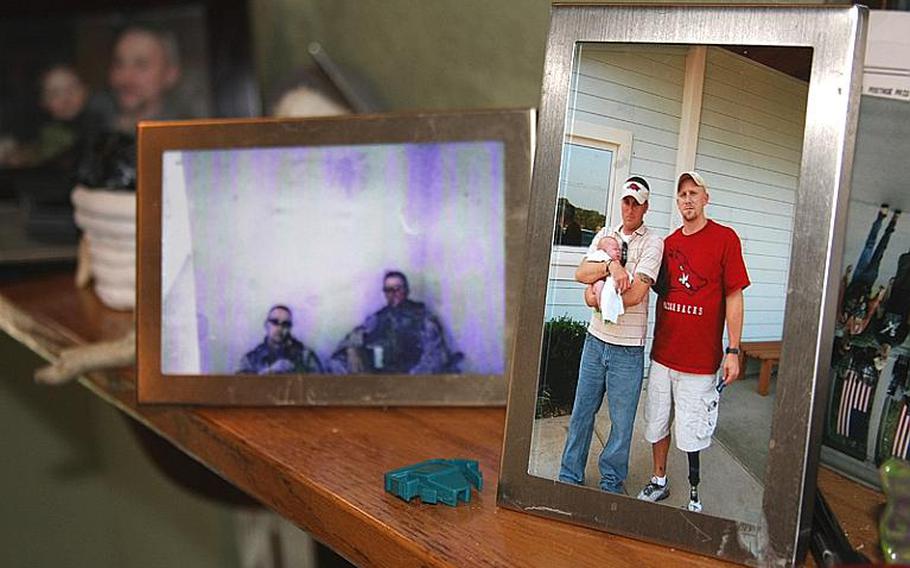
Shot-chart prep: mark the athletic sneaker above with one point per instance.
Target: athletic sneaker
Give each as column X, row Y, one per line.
column 694, row 503
column 654, row 492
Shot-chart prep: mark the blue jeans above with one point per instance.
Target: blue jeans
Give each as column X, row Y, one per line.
column 616, row 370
column 870, row 258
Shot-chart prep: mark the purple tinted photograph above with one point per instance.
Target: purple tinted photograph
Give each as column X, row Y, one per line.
column 354, row 259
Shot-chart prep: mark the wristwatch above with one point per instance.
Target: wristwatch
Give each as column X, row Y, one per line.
column 609, row 260
column 732, row 351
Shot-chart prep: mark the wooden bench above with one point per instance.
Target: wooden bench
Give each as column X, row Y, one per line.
column 767, row 353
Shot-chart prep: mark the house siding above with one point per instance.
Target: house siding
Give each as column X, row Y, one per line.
column 638, row 91
column 749, row 151
column 748, row 148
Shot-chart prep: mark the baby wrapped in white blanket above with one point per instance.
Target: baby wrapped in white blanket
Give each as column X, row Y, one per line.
column 609, row 302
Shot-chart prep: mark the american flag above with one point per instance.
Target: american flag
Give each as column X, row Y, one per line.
column 856, row 396
column 902, row 434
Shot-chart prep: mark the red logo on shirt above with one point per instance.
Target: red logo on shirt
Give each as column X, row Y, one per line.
column 688, row 279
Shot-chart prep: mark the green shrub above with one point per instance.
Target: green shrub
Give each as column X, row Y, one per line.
column 563, row 339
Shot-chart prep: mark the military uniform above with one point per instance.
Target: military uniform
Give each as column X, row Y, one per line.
column 405, row 339
column 300, row 358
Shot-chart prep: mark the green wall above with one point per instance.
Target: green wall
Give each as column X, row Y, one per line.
column 76, row 490
column 416, row 54
column 428, row 54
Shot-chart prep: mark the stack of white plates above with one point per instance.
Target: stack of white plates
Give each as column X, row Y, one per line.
column 108, row 221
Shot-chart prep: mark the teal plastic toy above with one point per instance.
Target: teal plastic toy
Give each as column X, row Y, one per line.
column 436, row 480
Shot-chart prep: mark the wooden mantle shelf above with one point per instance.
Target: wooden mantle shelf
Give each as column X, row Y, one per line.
column 323, row 468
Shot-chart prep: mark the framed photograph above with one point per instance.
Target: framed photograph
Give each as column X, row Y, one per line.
column 868, row 414
column 703, row 152
column 364, row 260
column 75, row 80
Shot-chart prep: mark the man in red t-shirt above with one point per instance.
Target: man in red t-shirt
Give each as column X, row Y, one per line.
column 700, row 288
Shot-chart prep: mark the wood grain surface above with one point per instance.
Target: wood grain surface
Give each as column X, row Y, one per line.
column 323, row 468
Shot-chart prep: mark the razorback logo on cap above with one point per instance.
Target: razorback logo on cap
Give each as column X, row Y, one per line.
column 636, row 188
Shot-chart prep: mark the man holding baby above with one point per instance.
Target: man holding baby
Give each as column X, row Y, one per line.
column 628, row 258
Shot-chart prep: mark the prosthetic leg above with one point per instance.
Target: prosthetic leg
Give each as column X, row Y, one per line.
column 694, row 503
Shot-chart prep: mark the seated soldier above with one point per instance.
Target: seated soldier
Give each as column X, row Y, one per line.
column 403, row 337
column 279, row 352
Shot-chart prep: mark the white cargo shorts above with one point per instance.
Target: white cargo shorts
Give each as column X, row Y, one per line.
column 692, row 398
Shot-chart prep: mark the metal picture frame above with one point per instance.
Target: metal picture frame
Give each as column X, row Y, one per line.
column 501, row 138
column 836, row 37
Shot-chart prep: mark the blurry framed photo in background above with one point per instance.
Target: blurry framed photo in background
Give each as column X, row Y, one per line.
column 356, row 260
column 71, row 77
column 761, row 102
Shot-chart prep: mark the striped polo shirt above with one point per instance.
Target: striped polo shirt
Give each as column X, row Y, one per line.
column 645, row 253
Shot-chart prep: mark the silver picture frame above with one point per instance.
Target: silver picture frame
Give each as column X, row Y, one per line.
column 836, row 36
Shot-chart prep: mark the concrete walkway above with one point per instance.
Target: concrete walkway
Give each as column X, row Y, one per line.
column 727, row 489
